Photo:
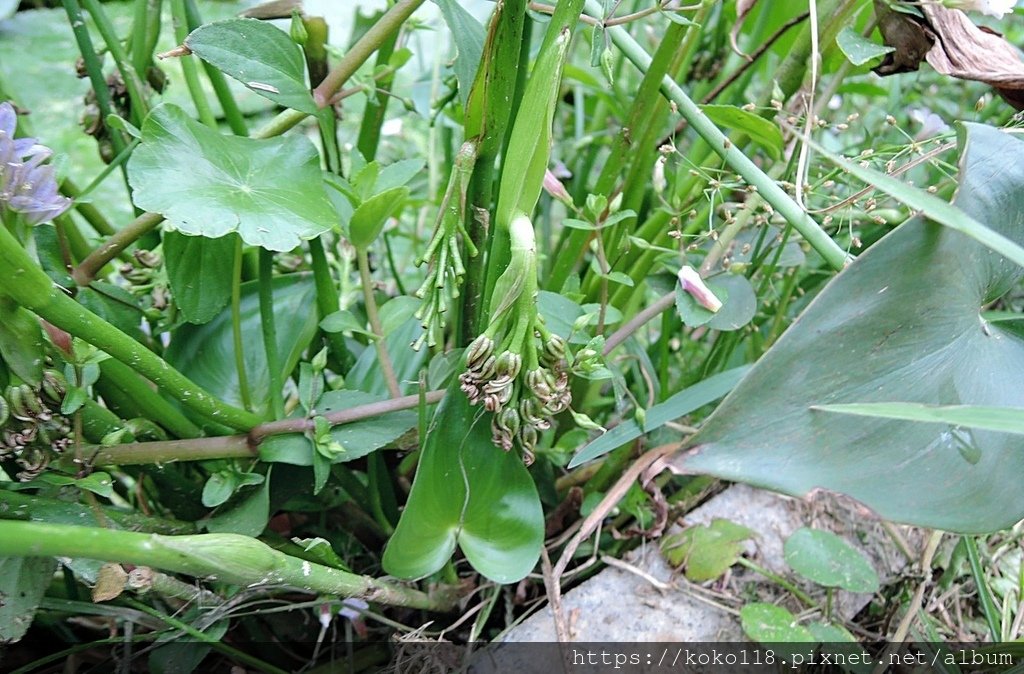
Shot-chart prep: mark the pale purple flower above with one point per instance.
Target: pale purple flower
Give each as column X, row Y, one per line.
column 554, row 187
column 693, row 284
column 27, row 186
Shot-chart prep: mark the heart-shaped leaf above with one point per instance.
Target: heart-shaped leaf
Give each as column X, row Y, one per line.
column 467, row 492
column 206, row 353
column 902, row 323
column 269, row 190
column 706, row 552
column 769, row 623
column 828, row 560
column 260, row 56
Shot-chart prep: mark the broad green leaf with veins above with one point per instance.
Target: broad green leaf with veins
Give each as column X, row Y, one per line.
column 269, row 191
column 903, row 323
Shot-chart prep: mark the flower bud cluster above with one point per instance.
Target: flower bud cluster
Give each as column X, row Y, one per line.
column 445, row 268
column 32, row 430
column 522, row 399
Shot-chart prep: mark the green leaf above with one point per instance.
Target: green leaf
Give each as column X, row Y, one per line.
column 260, row 56
column 366, row 374
column 198, row 273
column 829, row 561
column 469, row 493
column 270, row 190
column 219, row 488
column 769, row 623
column 706, row 552
column 343, row 321
column 398, row 174
column 679, row 404
column 858, row 49
column 25, row 582
column 469, row 43
column 98, row 483
column 739, row 302
column 761, row 131
column 901, row 323
column 1004, row 419
column 21, row 341
column 370, row 217
column 206, row 353
column 358, row 438
column 247, row 513
column 691, row 312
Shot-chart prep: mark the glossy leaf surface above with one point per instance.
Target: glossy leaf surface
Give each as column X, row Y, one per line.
column 270, row 190
column 206, row 354
column 199, row 273
column 469, row 493
column 260, row 56
column 902, row 323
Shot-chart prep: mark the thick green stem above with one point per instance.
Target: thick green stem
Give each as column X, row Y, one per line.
column 266, row 292
column 236, row 327
column 229, row 558
column 363, row 49
column 245, row 446
column 386, row 366
column 739, row 162
column 150, row 403
column 487, row 116
column 86, row 271
column 29, row 285
column 327, row 298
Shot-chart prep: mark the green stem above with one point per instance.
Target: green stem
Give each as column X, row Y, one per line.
column 94, row 68
column 132, row 83
column 358, row 53
column 377, row 105
column 779, row 580
column 739, row 162
column 140, row 22
column 228, row 558
column 327, row 298
column 88, row 211
column 188, row 66
column 386, row 366
column 236, row 327
column 221, row 88
column 501, row 69
column 202, row 637
column 245, row 446
column 266, row 292
column 29, row 285
column 87, row 270
column 150, row 403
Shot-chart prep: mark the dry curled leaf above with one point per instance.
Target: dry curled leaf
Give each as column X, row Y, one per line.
column 109, row 582
column 953, row 45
